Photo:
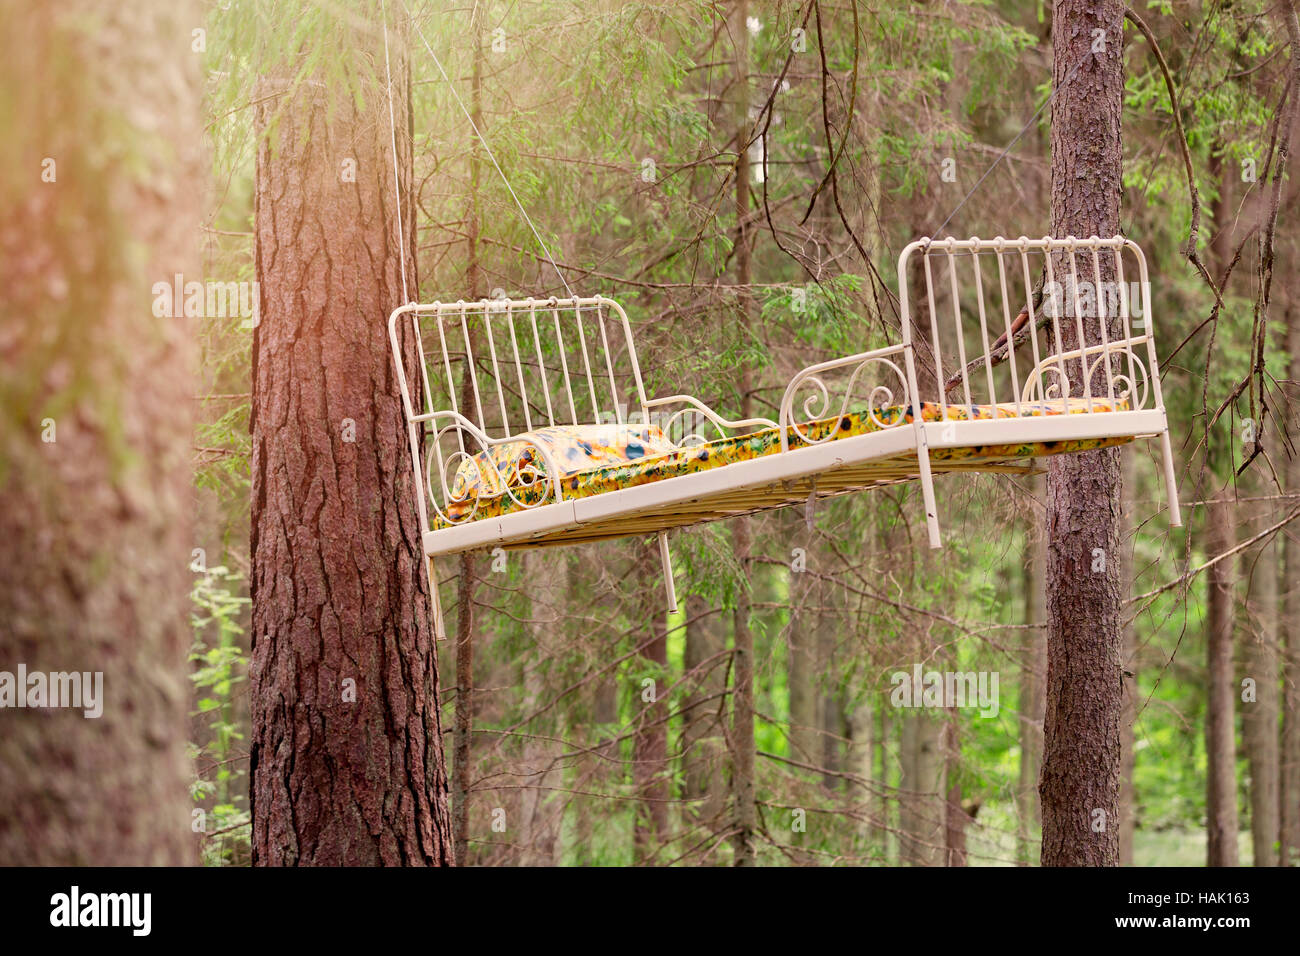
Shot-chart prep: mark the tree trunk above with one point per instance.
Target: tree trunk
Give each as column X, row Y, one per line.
column 742, row 698
column 922, row 811
column 1220, row 738
column 1079, row 787
column 1289, row 787
column 1128, row 720
column 701, row 732
column 346, row 754
column 95, row 428
column 545, row 570
column 650, row 744
column 463, row 732
column 1259, row 662
column 1032, row 671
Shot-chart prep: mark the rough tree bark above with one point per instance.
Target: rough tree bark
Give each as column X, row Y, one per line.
column 1079, row 787
column 95, row 425
column 1289, row 784
column 1220, row 536
column 742, row 697
column 346, row 753
column 1257, row 632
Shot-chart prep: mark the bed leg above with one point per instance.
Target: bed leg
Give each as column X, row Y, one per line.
column 1171, row 482
column 927, row 487
column 435, row 603
column 667, row 560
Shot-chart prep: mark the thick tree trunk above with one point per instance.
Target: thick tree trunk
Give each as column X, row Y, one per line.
column 1257, row 632
column 1079, row 788
column 346, row 752
column 95, row 427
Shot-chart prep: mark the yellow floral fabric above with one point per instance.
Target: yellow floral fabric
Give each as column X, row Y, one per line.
column 595, row 459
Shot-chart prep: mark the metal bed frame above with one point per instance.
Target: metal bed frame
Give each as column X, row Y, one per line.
column 530, row 363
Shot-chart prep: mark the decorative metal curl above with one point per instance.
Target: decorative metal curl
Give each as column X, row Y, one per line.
column 526, row 476
column 880, row 397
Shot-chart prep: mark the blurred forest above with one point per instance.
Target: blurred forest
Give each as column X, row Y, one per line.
column 584, row 725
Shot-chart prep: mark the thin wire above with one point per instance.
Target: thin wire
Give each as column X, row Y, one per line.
column 392, row 130
column 488, row 149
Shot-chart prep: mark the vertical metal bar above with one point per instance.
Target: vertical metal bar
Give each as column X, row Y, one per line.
column 1006, row 318
column 428, row 400
column 469, row 361
column 934, row 332
column 1032, row 321
column 609, row 365
column 984, row 331
column 666, row 558
column 1125, row 316
column 961, row 339
column 496, row 370
column 564, row 363
column 1078, row 322
column 519, row 367
column 1056, row 326
column 914, row 398
column 1103, row 316
column 541, row 366
column 586, row 363
column 451, row 383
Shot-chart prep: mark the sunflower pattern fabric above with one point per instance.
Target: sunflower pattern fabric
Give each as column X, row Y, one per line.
column 595, row 459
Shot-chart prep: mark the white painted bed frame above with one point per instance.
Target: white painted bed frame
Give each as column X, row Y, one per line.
column 515, row 350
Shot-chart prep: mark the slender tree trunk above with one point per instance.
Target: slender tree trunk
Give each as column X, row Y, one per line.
column 1289, row 788
column 1033, row 670
column 101, row 155
column 1259, row 662
column 1220, row 734
column 1079, row 788
column 1220, row 738
column 922, row 814
column 463, row 733
column 1128, row 720
column 346, row 752
column 546, row 570
column 650, row 744
column 742, row 729
column 702, row 749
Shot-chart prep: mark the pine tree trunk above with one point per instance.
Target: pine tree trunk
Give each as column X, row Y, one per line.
column 1257, row 631
column 650, row 744
column 1079, row 788
column 1032, row 673
column 1128, row 720
column 701, row 732
column 1289, row 784
column 1220, row 738
column 95, row 427
column 346, row 751
column 742, row 727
